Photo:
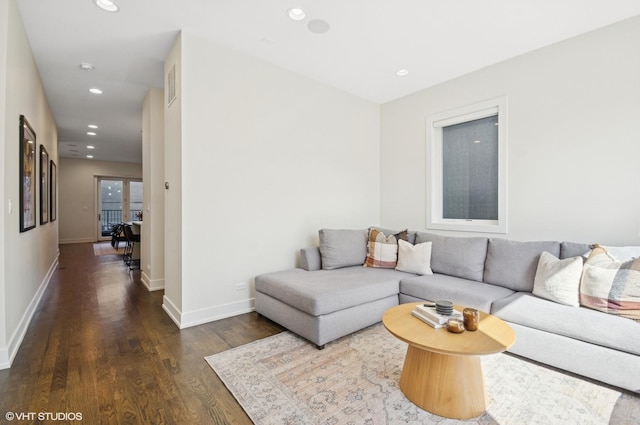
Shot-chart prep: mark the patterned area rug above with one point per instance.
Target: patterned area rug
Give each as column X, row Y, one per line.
column 284, row 379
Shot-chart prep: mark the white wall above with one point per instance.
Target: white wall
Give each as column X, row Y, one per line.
column 152, row 239
column 268, row 158
column 573, row 139
column 27, row 259
column 4, row 41
column 172, row 300
column 77, row 208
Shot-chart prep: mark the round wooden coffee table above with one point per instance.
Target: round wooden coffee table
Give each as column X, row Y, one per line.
column 442, row 373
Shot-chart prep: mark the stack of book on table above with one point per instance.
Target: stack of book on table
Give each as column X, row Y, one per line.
column 430, row 316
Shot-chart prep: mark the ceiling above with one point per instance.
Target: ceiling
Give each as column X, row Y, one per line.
column 368, row 41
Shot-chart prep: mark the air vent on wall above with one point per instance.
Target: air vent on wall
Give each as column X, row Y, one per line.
column 171, row 85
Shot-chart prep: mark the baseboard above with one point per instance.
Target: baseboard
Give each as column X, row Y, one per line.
column 79, row 240
column 172, row 311
column 4, row 359
column 211, row 314
column 151, row 284
column 206, row 315
column 8, row 355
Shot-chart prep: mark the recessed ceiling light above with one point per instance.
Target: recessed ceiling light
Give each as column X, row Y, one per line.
column 95, row 90
column 402, row 72
column 90, row 147
column 108, row 5
column 296, row 14
column 92, row 126
column 90, row 156
column 318, row 26
column 86, row 66
column 91, row 133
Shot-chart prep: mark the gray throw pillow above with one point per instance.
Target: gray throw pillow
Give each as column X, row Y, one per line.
column 342, row 248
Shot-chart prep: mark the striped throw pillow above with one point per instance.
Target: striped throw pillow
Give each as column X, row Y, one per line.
column 382, row 251
column 611, row 286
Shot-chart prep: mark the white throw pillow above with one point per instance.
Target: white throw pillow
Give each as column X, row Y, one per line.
column 558, row 280
column 414, row 258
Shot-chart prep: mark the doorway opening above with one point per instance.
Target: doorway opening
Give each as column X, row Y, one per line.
column 119, row 200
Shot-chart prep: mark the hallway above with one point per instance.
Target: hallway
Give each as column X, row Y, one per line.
column 100, row 346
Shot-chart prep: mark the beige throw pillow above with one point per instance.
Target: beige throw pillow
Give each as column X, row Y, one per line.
column 558, row 280
column 382, row 251
column 611, row 286
column 414, row 258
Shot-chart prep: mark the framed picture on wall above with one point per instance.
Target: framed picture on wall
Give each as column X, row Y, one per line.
column 44, row 185
column 27, row 176
column 53, row 192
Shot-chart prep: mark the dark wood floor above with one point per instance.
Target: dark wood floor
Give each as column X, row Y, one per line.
column 101, row 345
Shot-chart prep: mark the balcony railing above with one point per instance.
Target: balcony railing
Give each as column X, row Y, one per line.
column 108, row 218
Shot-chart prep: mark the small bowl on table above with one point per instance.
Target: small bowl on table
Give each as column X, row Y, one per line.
column 455, row 325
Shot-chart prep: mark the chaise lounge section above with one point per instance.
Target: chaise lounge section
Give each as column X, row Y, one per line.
column 332, row 295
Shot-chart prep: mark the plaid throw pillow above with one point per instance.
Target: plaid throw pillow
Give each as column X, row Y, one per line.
column 611, row 286
column 382, row 251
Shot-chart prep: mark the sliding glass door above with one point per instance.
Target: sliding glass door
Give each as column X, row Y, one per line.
column 119, row 200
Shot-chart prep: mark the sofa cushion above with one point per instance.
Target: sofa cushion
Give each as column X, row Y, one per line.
column 414, row 258
column 558, row 280
column 342, row 248
column 611, row 286
column 382, row 249
column 325, row 291
column 468, row 293
column 513, row 264
column 573, row 249
column 579, row 323
column 455, row 256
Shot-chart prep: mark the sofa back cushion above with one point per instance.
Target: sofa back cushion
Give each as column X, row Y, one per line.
column 573, row 249
column 342, row 248
column 455, row 256
column 513, row 264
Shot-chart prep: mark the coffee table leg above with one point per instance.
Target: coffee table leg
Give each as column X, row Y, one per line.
column 447, row 385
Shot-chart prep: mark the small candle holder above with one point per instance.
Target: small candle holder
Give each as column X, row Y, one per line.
column 456, row 326
column 471, row 319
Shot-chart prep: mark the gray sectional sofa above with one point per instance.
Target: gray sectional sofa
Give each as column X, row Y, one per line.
column 332, row 295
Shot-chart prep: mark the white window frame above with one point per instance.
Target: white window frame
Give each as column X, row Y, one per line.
column 435, row 123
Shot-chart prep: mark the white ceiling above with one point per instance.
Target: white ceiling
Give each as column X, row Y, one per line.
column 368, row 41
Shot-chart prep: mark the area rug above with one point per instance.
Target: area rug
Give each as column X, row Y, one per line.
column 284, row 379
column 104, row 248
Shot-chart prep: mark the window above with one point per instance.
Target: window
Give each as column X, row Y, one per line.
column 466, row 178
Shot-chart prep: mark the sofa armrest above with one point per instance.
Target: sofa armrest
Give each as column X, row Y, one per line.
column 310, row 258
